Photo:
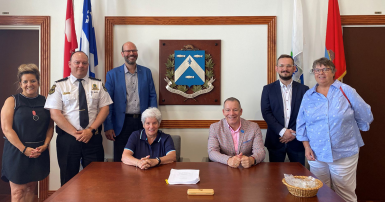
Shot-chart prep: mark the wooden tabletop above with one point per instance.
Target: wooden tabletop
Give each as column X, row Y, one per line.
column 118, row 182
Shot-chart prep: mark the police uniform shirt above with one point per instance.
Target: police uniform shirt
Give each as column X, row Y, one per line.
column 64, row 96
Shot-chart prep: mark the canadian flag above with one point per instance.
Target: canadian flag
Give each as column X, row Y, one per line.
column 70, row 41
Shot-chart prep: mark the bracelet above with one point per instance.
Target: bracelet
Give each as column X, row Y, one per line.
column 25, row 148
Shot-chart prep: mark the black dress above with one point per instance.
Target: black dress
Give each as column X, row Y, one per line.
column 17, row 167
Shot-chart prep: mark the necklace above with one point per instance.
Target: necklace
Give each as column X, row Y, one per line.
column 35, row 117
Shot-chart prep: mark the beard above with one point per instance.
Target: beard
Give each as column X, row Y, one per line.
column 286, row 78
column 128, row 60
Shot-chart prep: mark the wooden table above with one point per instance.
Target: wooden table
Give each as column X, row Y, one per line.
column 118, row 182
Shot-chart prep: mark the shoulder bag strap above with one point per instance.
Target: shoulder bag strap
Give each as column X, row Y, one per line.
column 345, row 95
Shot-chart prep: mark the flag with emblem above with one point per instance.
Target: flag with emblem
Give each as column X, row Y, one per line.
column 297, row 41
column 334, row 46
column 189, row 67
column 70, row 41
column 87, row 39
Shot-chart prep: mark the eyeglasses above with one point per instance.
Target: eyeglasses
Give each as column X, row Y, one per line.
column 287, row 66
column 317, row 71
column 130, row 51
column 78, row 63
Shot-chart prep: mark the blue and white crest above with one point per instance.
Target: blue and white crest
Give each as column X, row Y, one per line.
column 189, row 67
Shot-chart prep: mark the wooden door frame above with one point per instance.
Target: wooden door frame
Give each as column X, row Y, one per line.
column 364, row 20
column 45, row 62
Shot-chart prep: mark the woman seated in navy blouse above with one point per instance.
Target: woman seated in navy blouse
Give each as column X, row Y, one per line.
column 149, row 147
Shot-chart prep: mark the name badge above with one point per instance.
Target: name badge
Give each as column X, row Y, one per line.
column 65, row 93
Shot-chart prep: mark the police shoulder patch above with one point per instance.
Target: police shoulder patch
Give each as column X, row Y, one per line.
column 92, row 78
column 52, row 90
column 60, row 80
column 105, row 89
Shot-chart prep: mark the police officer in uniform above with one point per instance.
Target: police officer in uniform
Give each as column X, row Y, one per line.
column 78, row 104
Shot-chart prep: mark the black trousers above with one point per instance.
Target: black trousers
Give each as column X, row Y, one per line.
column 279, row 155
column 130, row 125
column 70, row 153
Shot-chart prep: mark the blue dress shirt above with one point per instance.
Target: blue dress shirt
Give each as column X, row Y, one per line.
column 138, row 144
column 332, row 125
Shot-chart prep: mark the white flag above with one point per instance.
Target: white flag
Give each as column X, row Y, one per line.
column 297, row 40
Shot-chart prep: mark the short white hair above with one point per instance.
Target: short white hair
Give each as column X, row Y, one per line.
column 151, row 112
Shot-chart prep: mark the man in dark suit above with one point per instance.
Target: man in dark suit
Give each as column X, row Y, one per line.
column 132, row 90
column 279, row 105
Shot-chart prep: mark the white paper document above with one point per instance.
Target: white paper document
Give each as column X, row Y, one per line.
column 183, row 176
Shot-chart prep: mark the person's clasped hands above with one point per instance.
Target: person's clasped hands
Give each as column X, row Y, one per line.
column 34, row 153
column 146, row 162
column 287, row 136
column 240, row 159
column 83, row 135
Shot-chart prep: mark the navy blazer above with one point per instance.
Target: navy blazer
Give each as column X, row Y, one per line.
column 272, row 112
column 116, row 87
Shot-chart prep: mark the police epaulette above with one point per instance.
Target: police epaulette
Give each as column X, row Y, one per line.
column 94, row 78
column 63, row 79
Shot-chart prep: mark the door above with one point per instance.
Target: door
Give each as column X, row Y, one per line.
column 17, row 47
column 364, row 52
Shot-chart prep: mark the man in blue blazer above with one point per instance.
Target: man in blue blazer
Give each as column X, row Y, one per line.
column 280, row 104
column 132, row 89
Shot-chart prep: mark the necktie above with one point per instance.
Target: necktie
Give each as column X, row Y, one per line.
column 83, row 109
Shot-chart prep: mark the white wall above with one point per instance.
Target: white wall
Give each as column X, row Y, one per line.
column 194, row 141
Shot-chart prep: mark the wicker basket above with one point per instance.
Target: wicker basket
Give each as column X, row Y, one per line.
column 303, row 192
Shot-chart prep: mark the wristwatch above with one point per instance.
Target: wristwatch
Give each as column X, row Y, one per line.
column 255, row 161
column 92, row 130
column 159, row 161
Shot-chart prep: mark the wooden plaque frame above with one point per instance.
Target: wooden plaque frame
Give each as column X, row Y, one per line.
column 270, row 21
column 212, row 47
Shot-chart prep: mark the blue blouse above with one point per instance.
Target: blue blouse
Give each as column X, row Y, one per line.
column 332, row 125
column 138, row 144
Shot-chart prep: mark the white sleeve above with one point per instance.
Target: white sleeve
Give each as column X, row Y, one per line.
column 282, row 132
column 54, row 99
column 104, row 98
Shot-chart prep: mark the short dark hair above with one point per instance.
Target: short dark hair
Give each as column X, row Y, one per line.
column 77, row 52
column 285, row 56
column 233, row 99
column 325, row 62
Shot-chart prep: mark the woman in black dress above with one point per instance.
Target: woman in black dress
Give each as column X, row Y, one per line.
column 28, row 129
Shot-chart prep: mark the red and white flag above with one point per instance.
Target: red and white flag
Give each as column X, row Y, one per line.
column 70, row 41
